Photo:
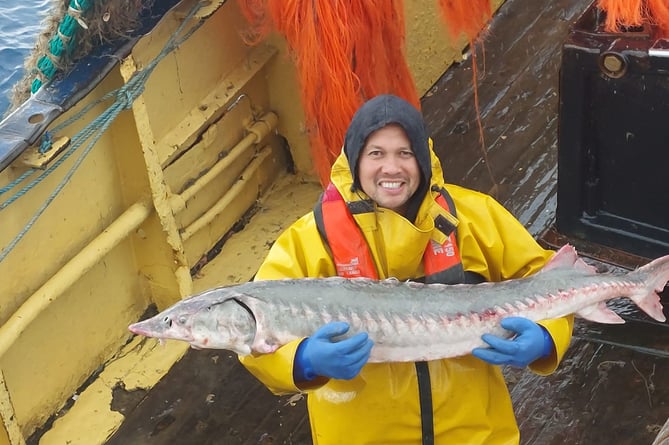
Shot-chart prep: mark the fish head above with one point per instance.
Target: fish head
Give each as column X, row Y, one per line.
column 225, row 325
column 174, row 323
column 204, row 324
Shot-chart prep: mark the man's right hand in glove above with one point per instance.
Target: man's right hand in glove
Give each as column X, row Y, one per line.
column 323, row 355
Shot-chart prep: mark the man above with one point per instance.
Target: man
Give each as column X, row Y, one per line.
column 386, row 214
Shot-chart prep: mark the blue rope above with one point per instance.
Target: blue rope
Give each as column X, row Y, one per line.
column 82, row 136
column 17, row 181
column 47, row 142
column 125, row 96
column 46, row 145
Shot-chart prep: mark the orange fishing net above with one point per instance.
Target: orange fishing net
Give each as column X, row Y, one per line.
column 348, row 51
column 621, row 14
column 345, row 53
column 465, row 18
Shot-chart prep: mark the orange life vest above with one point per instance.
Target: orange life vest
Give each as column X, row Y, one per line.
column 351, row 254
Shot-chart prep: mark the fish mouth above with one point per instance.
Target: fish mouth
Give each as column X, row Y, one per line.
column 140, row 328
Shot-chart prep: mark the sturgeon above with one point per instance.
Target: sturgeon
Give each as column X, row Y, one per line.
column 408, row 321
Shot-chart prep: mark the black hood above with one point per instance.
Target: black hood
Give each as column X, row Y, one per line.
column 378, row 113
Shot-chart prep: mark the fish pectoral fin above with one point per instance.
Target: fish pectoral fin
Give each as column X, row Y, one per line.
column 264, row 346
column 600, row 313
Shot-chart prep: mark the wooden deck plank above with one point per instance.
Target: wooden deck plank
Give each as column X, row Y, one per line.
column 518, row 96
column 209, row 398
column 603, row 393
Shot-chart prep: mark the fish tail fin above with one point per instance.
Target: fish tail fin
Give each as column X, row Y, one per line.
column 656, row 276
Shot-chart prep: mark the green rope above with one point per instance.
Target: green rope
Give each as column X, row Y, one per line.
column 125, row 96
column 62, row 44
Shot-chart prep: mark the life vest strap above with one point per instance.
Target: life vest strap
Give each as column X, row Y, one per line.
column 351, row 253
column 349, row 249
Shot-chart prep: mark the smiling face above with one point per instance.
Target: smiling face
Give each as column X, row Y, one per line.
column 387, row 168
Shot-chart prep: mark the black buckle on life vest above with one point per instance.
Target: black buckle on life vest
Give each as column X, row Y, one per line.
column 359, row 207
column 444, row 225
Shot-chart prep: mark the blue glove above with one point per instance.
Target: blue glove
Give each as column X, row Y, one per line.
column 532, row 342
column 322, row 355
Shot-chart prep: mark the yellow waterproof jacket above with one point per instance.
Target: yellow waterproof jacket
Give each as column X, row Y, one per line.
column 471, row 403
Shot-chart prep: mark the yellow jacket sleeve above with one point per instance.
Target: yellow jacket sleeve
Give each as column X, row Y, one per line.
column 560, row 330
column 274, row 370
column 493, row 243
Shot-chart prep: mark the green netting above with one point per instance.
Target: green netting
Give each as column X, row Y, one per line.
column 63, row 42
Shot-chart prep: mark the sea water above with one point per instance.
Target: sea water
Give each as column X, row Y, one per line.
column 21, row 21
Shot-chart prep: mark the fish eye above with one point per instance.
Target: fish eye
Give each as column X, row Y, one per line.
column 181, row 320
column 168, row 321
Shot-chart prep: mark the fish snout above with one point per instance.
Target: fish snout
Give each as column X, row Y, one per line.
column 137, row 328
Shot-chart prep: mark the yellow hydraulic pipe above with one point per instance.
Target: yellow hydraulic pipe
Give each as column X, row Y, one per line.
column 72, row 271
column 232, row 194
column 257, row 132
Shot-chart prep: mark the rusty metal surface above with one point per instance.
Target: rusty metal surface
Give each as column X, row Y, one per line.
column 609, row 389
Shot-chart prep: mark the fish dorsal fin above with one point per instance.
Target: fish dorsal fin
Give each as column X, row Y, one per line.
column 567, row 257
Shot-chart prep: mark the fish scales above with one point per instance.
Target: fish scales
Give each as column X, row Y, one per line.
column 407, row 321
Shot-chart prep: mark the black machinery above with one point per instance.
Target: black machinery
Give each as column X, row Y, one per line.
column 613, row 159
